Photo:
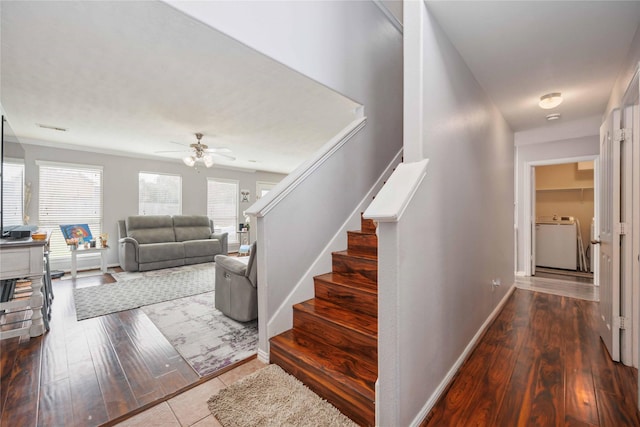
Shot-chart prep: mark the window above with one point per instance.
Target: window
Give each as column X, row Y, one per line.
column 222, row 206
column 159, row 194
column 69, row 194
column 262, row 188
column 12, row 192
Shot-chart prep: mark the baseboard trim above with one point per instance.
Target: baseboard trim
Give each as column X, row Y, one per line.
column 520, row 274
column 263, row 356
column 456, row 366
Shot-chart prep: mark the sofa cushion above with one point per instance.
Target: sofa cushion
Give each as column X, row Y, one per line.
column 198, row 248
column 151, row 228
column 194, row 227
column 154, row 252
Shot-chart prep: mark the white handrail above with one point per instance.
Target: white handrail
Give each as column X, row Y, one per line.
column 295, row 178
column 393, row 198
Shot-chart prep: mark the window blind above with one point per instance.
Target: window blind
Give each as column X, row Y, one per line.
column 222, row 206
column 12, row 193
column 159, row 194
column 69, row 194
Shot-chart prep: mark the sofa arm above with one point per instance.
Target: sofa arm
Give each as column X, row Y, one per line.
column 128, row 254
column 224, row 238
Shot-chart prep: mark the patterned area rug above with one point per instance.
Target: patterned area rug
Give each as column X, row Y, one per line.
column 207, row 339
column 142, row 290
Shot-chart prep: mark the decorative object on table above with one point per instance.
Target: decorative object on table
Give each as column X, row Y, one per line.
column 92, row 243
column 72, row 243
column 244, row 196
column 104, row 238
column 247, row 221
column 77, row 231
column 39, row 235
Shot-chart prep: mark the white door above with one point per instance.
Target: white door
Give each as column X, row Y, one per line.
column 609, row 241
column 533, row 220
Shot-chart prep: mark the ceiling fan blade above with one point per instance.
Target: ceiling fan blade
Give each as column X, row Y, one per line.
column 228, row 156
column 172, row 151
column 179, row 143
column 218, row 150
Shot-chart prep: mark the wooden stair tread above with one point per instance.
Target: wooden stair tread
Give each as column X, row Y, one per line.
column 365, row 256
column 341, row 368
column 359, row 322
column 342, row 279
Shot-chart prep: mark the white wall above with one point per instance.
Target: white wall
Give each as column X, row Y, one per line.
column 120, row 184
column 461, row 225
column 551, row 151
column 354, row 49
column 625, row 75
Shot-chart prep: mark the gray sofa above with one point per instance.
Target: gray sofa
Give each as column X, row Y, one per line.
column 236, row 293
column 149, row 242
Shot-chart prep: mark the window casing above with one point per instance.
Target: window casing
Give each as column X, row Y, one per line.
column 69, row 194
column 222, row 206
column 159, row 194
column 263, row 187
column 13, row 192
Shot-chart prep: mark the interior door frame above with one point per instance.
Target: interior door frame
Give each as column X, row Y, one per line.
column 529, row 210
column 630, row 114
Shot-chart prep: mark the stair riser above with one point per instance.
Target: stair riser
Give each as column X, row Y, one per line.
column 355, row 406
column 362, row 243
column 367, row 225
column 360, row 268
column 336, row 335
column 352, row 298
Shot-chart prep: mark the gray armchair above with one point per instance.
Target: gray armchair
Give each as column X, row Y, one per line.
column 236, row 294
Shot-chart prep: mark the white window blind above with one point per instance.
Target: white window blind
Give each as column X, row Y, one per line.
column 12, row 193
column 159, row 194
column 69, row 194
column 222, row 206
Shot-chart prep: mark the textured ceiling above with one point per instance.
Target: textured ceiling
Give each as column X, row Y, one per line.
column 521, row 50
column 131, row 77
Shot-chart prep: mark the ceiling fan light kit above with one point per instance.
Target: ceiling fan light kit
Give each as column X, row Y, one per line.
column 201, row 153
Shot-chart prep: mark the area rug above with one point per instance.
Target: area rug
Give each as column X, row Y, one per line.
column 126, row 295
column 207, row 339
column 130, row 275
column 271, row 397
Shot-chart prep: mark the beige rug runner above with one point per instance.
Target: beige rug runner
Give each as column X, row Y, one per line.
column 271, row 397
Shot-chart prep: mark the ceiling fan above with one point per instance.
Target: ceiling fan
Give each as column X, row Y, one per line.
column 201, row 153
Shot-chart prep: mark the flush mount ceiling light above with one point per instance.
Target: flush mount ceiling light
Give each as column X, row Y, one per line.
column 553, row 116
column 550, row 100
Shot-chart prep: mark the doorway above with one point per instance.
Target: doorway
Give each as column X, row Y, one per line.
column 564, row 221
column 530, row 215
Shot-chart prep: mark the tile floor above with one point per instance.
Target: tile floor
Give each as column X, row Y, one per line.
column 567, row 288
column 190, row 408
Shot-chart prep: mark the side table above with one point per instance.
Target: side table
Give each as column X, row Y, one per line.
column 80, row 251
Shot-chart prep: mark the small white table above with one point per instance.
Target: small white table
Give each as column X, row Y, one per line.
column 83, row 250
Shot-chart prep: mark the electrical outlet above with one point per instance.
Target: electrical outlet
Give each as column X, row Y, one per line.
column 495, row 283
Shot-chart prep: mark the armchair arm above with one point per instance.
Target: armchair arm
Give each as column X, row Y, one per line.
column 224, row 238
column 128, row 253
column 231, row 265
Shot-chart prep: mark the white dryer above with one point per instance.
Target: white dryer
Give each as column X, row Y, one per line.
column 556, row 243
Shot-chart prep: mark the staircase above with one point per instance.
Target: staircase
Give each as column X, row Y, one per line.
column 333, row 346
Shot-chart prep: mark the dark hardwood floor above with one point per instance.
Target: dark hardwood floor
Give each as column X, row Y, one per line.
column 541, row 363
column 90, row 372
